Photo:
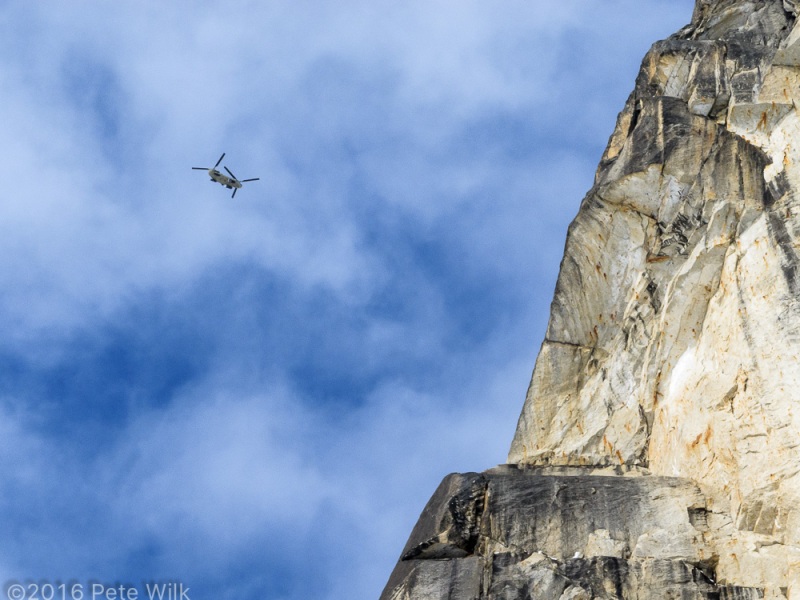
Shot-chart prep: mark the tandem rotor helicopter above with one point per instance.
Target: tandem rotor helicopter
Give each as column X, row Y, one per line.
column 232, row 183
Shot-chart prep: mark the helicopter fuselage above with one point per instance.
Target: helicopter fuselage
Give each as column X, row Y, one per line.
column 229, row 181
column 224, row 180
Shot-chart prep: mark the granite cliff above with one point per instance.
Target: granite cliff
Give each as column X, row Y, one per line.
column 658, row 451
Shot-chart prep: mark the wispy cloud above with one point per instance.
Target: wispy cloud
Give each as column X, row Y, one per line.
column 257, row 396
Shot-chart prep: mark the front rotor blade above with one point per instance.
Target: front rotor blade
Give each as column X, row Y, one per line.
column 200, row 168
column 254, row 179
column 234, row 192
column 220, row 160
column 229, row 172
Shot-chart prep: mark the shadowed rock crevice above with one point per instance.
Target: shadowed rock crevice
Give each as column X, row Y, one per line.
column 449, row 524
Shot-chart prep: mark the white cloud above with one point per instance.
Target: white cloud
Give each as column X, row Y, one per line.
column 218, row 470
column 423, row 156
column 186, row 76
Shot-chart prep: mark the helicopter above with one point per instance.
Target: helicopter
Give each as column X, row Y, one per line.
column 232, row 182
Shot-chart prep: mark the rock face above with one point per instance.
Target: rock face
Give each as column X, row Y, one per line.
column 671, row 354
column 560, row 533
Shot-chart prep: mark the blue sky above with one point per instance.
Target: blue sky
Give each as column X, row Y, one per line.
column 257, row 396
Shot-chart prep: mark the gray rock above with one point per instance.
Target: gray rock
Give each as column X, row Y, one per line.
column 536, row 535
column 457, row 579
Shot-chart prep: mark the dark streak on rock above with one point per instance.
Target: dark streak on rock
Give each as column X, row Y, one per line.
column 789, row 259
column 777, row 190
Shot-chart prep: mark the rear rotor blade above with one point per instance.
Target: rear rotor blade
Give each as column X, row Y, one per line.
column 200, row 168
column 234, row 192
column 229, row 172
column 220, row 160
column 254, row 179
